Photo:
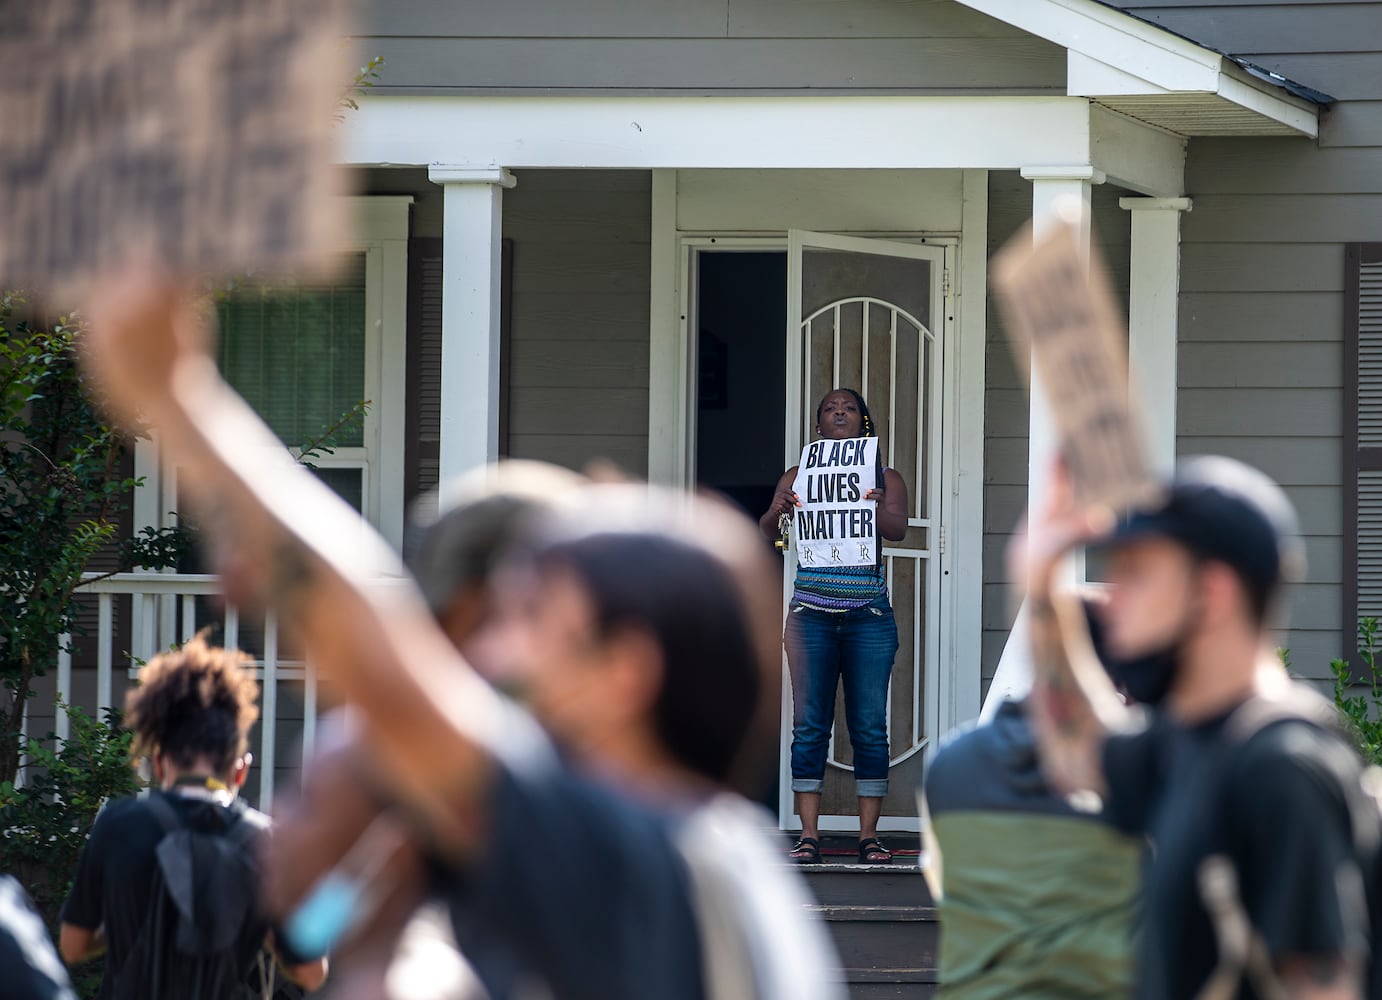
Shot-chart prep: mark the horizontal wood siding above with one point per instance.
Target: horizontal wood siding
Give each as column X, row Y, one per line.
column 703, row 46
column 1263, row 275
column 578, row 367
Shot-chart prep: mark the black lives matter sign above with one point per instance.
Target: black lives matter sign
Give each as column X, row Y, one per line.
column 1061, row 313
column 195, row 132
column 835, row 525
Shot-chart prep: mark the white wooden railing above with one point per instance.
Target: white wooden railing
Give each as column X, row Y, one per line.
column 164, row 612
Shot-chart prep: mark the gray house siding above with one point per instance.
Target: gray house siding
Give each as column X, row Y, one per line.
column 578, row 375
column 577, row 322
column 703, row 46
column 1263, row 276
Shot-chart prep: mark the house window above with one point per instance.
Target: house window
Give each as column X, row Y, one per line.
column 297, row 354
column 304, row 355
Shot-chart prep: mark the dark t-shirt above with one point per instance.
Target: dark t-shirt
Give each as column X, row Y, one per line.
column 28, row 962
column 585, row 892
column 580, row 891
column 1284, row 806
column 115, row 877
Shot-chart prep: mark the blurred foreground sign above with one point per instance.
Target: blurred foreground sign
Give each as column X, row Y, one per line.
column 194, row 131
column 1063, row 317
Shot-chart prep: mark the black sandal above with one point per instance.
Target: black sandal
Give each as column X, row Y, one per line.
column 807, row 851
column 872, row 852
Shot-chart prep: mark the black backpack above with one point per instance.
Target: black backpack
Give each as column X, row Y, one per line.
column 1242, row 953
column 204, row 894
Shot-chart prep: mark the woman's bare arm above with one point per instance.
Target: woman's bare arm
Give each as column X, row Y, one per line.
column 893, row 505
column 1073, row 704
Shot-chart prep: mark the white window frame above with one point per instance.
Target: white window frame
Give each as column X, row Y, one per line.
column 381, row 233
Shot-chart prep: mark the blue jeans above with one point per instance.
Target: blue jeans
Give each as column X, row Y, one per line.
column 823, row 649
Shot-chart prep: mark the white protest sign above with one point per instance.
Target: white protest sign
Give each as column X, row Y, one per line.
column 194, row 132
column 1061, row 313
column 836, row 526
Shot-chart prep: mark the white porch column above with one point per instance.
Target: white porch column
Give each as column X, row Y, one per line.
column 1059, row 194
column 1153, row 306
column 470, row 314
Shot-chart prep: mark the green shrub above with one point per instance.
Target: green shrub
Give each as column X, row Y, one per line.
column 1360, row 697
column 44, row 824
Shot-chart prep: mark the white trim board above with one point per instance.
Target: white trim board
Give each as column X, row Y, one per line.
column 765, row 133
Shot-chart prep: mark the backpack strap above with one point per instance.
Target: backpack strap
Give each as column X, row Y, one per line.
column 1243, row 954
column 164, row 812
column 237, row 830
column 1258, row 713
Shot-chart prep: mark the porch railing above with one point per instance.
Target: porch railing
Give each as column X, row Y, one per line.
column 164, row 611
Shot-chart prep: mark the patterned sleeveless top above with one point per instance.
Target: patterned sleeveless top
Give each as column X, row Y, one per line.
column 840, row 588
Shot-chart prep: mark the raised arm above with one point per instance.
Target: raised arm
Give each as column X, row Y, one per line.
column 283, row 539
column 1073, row 704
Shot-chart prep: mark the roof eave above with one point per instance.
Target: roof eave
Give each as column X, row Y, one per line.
column 1150, row 73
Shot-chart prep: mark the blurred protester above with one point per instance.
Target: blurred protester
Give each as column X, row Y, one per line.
column 33, row 970
column 840, row 631
column 167, row 883
column 648, row 640
column 1263, row 839
column 402, row 947
column 1037, row 892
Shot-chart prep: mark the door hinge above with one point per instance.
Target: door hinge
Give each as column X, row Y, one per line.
column 945, row 283
column 940, row 539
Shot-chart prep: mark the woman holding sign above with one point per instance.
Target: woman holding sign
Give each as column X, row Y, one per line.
column 842, row 503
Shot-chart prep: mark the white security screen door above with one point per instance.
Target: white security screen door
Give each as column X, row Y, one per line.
column 869, row 315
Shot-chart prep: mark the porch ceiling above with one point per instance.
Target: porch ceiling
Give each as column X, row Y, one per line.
column 1196, row 114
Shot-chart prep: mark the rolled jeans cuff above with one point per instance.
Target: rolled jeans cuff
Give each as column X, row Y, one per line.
column 813, row 785
column 870, row 788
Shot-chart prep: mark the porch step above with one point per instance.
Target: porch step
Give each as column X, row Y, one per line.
column 884, row 924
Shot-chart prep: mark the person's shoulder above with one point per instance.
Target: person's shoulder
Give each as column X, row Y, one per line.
column 255, row 821
column 1291, row 752
column 960, row 756
column 1297, row 744
column 119, row 814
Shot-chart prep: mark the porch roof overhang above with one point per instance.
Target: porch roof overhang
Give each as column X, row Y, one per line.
column 1135, row 93
column 1156, row 76
column 802, row 133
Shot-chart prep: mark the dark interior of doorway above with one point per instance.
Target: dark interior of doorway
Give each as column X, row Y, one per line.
column 741, row 314
column 741, row 398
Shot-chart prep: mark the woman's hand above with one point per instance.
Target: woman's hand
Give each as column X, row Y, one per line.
column 877, row 493
column 783, row 501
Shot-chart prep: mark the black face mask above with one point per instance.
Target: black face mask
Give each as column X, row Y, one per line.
column 1147, row 679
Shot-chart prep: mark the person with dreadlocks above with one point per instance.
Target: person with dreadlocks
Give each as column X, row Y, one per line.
column 840, row 627
column 167, row 883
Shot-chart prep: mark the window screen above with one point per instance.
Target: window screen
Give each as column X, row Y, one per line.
column 297, row 354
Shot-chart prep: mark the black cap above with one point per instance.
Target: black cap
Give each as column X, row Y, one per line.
column 1223, row 510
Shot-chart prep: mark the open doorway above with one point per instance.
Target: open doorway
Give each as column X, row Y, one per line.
column 741, row 313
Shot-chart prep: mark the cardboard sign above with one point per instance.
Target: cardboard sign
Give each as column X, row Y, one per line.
column 197, row 132
column 836, row 526
column 1063, row 316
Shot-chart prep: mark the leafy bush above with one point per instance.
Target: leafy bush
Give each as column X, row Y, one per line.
column 44, row 823
column 61, row 496
column 1360, row 698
